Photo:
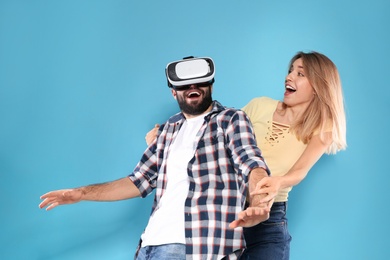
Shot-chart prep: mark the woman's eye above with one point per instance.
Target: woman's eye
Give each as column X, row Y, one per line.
column 300, row 74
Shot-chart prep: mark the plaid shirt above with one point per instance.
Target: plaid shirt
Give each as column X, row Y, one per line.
column 218, row 173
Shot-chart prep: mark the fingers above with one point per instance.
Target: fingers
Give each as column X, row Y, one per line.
column 239, row 222
column 262, row 190
column 43, row 204
column 49, row 201
column 256, row 211
column 252, row 212
column 151, row 135
column 235, row 223
column 268, row 194
column 263, row 182
column 52, row 206
column 267, row 198
column 46, row 195
column 54, row 198
column 250, row 217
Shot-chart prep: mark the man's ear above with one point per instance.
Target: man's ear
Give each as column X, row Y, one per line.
column 174, row 93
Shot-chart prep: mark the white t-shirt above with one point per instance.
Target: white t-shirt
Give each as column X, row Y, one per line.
column 166, row 225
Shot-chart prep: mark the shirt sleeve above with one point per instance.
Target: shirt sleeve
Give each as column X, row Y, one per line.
column 242, row 143
column 144, row 175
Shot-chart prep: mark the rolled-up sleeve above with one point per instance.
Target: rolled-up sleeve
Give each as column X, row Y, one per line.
column 242, row 142
column 144, row 175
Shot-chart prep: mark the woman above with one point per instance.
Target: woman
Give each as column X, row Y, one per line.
column 292, row 135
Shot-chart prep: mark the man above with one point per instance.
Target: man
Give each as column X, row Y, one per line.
column 199, row 164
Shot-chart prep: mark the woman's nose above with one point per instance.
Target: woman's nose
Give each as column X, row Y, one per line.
column 289, row 77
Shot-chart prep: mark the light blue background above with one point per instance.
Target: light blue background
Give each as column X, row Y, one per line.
column 81, row 82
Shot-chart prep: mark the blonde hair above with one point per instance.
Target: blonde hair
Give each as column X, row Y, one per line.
column 326, row 110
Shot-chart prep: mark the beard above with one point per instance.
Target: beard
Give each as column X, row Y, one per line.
column 195, row 108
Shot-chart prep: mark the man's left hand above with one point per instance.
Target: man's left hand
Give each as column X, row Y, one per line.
column 252, row 216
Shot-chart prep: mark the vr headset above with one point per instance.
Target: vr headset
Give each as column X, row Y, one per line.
column 190, row 71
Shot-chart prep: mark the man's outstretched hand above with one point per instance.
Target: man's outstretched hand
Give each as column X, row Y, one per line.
column 53, row 199
column 252, row 216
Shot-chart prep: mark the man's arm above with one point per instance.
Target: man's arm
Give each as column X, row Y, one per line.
column 254, row 177
column 257, row 211
column 111, row 191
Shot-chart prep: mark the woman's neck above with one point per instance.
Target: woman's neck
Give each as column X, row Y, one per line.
column 288, row 114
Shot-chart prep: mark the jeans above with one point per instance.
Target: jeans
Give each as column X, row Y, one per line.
column 269, row 240
column 162, row 252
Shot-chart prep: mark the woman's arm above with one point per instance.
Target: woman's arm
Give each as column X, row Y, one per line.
column 313, row 152
column 256, row 212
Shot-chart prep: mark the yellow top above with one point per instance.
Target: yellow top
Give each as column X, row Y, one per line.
column 280, row 148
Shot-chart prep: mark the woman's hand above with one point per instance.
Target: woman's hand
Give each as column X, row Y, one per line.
column 268, row 185
column 152, row 134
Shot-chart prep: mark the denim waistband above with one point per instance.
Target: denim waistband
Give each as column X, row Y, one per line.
column 279, row 205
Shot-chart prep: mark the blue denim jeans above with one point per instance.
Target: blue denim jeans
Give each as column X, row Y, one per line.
column 161, row 252
column 269, row 240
